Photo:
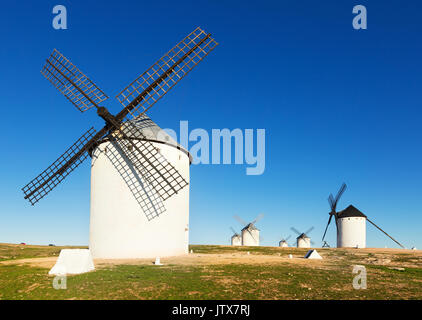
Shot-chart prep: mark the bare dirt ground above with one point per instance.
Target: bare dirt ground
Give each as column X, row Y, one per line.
column 191, row 259
column 218, row 272
column 375, row 256
column 46, row 262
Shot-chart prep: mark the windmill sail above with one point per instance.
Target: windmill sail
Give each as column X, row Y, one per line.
column 153, row 166
column 309, row 230
column 156, row 177
column 333, row 206
column 150, row 202
column 59, row 170
column 326, row 228
column 339, row 194
column 258, row 218
column 296, row 231
column 72, row 83
column 240, row 220
column 153, row 84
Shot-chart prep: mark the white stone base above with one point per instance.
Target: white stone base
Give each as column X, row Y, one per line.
column 73, row 261
column 313, row 254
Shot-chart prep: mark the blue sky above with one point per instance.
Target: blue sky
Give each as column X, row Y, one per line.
column 337, row 105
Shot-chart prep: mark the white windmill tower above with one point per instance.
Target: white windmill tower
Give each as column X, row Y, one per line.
column 250, row 233
column 236, row 239
column 118, row 229
column 283, row 242
column 139, row 175
column 350, row 224
column 303, row 240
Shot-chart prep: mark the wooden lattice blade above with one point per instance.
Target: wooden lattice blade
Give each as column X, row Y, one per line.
column 154, row 83
column 340, row 193
column 154, row 168
column 72, row 83
column 45, row 182
column 240, row 220
column 150, row 202
column 326, row 228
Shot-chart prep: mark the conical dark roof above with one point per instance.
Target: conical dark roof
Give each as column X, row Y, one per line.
column 303, row 236
column 150, row 131
column 250, row 226
column 350, row 211
column 146, row 128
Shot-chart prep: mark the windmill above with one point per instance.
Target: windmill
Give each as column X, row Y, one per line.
column 152, row 179
column 283, row 242
column 350, row 224
column 303, row 240
column 236, row 239
column 250, row 233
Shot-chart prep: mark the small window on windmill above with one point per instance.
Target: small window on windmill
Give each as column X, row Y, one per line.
column 105, row 150
column 180, row 157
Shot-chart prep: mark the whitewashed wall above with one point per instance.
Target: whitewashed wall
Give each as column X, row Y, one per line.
column 236, row 240
column 304, row 243
column 119, row 227
column 283, row 244
column 250, row 239
column 351, row 232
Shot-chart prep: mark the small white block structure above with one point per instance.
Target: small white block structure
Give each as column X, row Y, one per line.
column 119, row 226
column 157, row 262
column 351, row 226
column 312, row 254
column 73, row 261
column 414, row 248
column 290, row 256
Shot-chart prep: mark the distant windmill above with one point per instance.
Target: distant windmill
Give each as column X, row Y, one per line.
column 283, row 242
column 351, row 224
column 250, row 233
column 303, row 240
column 236, row 239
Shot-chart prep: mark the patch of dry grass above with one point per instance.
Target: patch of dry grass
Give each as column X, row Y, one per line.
column 220, row 272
